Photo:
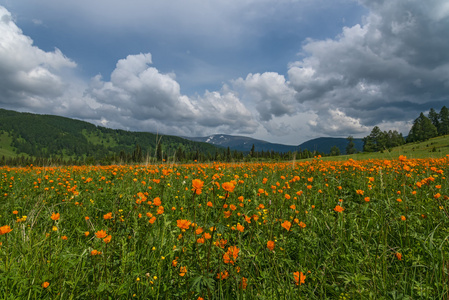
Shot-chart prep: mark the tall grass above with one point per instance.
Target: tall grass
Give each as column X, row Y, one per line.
column 319, row 229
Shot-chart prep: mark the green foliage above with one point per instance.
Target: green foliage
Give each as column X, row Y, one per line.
column 422, row 130
column 58, row 140
column 350, row 148
column 378, row 247
column 381, row 140
column 335, row 151
column 443, row 124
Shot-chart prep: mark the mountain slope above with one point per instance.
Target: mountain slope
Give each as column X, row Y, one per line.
column 241, row 143
column 47, row 135
column 324, row 144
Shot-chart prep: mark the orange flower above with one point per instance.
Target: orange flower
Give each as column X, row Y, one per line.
column 231, row 255
column 183, row 224
column 86, row 233
column 101, row 234
column 221, row 243
column 5, row 229
column 244, row 283
column 160, row 210
column 240, row 228
column 270, row 245
column 403, row 218
column 437, row 195
column 45, row 285
column 64, row 238
column 199, row 230
column 207, row 236
column 54, row 216
column 197, row 186
column 339, row 209
column 95, row 252
column 227, row 214
column 398, row 255
column 107, row 216
column 222, row 275
column 287, row 225
column 247, row 219
column 228, row 186
column 182, row 271
column 200, row 240
column 300, row 278
column 15, row 212
column 174, row 263
column 402, row 158
column 367, row 199
column 302, row 224
column 157, row 201
column 107, row 239
column 209, row 204
column 360, row 192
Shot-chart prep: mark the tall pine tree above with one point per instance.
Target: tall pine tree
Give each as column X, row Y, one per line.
column 422, row 130
column 443, row 127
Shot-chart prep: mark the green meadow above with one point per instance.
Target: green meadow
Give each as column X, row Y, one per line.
column 362, row 228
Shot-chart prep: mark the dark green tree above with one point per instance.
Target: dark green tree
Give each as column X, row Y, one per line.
column 335, row 151
column 350, row 148
column 159, row 151
column 434, row 117
column 252, row 152
column 443, row 128
column 373, row 142
column 422, row 130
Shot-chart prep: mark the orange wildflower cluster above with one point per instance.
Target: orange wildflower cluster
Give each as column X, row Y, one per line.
column 197, row 185
column 55, row 216
column 223, row 275
column 299, row 277
column 228, row 186
column 107, row 216
column 183, row 224
column 270, row 245
column 339, row 209
column 287, row 225
column 5, row 229
column 231, row 255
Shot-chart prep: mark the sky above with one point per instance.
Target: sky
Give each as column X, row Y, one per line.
column 284, row 71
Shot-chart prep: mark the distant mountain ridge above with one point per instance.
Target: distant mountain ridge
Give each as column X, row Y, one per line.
column 243, row 143
column 46, row 136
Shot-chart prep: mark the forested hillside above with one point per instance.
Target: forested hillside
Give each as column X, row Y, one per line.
column 47, row 136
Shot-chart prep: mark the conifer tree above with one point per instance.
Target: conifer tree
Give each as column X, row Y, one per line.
column 422, row 129
column 434, row 117
column 443, row 127
column 350, row 148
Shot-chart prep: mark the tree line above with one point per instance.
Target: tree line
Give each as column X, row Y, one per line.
column 423, row 128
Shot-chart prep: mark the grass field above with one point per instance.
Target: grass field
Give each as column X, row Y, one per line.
column 348, row 229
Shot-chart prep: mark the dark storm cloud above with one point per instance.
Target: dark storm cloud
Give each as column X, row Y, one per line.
column 387, row 69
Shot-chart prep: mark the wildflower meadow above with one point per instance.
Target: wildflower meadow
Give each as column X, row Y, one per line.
column 352, row 229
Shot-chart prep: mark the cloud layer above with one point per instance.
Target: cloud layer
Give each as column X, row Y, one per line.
column 383, row 71
column 387, row 69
